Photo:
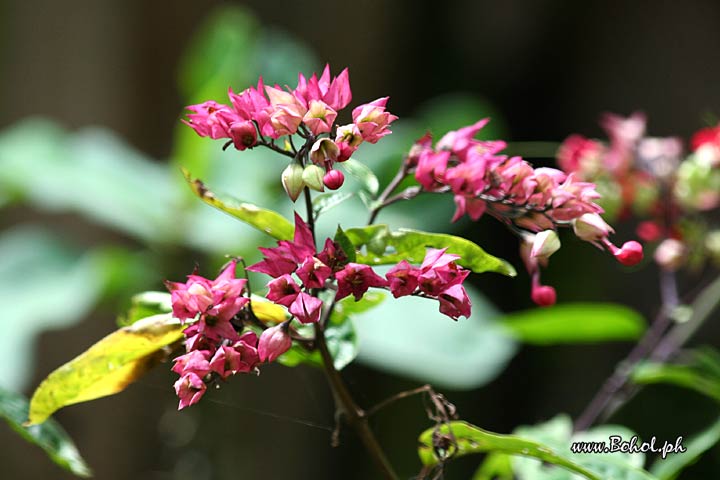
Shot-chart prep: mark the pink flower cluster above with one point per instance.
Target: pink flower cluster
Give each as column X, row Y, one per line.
column 309, row 109
column 506, row 187
column 214, row 348
column 439, row 276
column 533, row 201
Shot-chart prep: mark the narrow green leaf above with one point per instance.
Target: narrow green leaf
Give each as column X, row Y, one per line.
column 327, row 201
column 469, row 439
column 383, row 247
column 669, row 468
column 557, row 434
column 342, row 239
column 107, row 367
column 687, row 376
column 49, row 436
column 360, row 171
column 575, row 323
column 267, row 221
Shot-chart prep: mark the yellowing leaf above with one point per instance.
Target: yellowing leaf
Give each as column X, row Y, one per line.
column 267, row 221
column 107, row 367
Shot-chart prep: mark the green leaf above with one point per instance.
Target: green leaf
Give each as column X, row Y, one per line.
column 45, row 284
column 409, row 336
column 347, row 246
column 686, row 376
column 363, row 174
column 469, row 439
column 145, row 304
column 327, row 201
column 575, row 323
column 497, row 466
column 219, row 54
column 557, row 434
column 107, row 367
column 670, row 467
column 266, row 221
column 49, row 436
column 92, row 172
column 383, row 247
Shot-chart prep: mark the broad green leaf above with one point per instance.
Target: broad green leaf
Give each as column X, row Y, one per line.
column 46, row 284
column 49, row 436
column 363, row 174
column 669, row 468
column 91, row 172
column 327, row 201
column 409, row 336
column 107, row 367
column 383, row 246
column 466, row 439
column 342, row 239
column 557, row 434
column 575, row 323
column 267, row 221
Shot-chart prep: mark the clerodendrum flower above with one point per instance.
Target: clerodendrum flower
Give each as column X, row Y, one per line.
column 531, row 201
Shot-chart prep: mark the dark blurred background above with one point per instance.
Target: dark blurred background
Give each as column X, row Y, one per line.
column 549, row 68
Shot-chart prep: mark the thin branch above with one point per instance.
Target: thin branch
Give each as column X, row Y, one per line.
column 606, row 399
column 382, row 200
column 347, row 408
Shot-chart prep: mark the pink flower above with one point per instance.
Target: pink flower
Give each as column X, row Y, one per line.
column 355, row 279
column 284, row 258
column 347, row 139
column 319, row 117
column 430, row 172
column 211, row 119
column 306, row 308
column 220, row 298
column 195, row 362
column 313, row 273
column 333, row 255
column 454, row 302
column 336, row 93
column 243, row 134
column 372, row 120
column 241, row 357
column 439, row 271
column 461, row 139
column 402, row 279
column 190, row 388
column 324, row 152
column 246, row 347
column 283, row 290
column 274, row 342
column 474, row 207
column 579, row 154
